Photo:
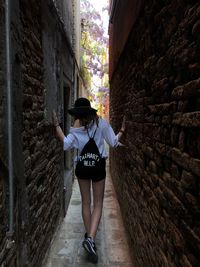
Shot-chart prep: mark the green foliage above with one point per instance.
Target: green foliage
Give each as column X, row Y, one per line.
column 94, row 44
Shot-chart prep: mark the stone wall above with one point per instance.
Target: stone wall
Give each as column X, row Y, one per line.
column 2, row 74
column 38, row 155
column 42, row 154
column 157, row 176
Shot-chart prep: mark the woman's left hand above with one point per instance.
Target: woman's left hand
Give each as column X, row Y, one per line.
column 123, row 124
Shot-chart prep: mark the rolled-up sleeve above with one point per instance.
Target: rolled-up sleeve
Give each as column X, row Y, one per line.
column 69, row 142
column 109, row 135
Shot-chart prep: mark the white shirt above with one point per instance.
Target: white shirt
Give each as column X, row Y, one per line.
column 78, row 137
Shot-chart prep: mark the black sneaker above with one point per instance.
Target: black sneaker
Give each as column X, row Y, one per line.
column 86, row 235
column 90, row 247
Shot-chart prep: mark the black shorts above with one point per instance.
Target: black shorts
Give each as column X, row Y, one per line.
column 97, row 177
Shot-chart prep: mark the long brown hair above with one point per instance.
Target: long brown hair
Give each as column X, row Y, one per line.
column 88, row 120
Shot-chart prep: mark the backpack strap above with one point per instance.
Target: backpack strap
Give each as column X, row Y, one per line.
column 93, row 134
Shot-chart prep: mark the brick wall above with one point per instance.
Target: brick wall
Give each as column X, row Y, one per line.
column 2, row 73
column 157, row 86
column 119, row 30
column 37, row 154
column 42, row 154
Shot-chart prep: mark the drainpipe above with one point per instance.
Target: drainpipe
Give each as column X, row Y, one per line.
column 9, row 120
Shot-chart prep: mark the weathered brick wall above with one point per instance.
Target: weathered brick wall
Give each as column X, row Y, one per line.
column 157, row 177
column 2, row 72
column 38, row 156
column 42, row 153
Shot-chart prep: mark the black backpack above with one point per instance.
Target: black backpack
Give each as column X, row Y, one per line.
column 90, row 164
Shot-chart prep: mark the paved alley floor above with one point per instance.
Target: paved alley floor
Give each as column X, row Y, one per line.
column 111, row 242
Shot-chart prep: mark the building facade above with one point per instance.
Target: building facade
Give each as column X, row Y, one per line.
column 44, row 76
column 155, row 81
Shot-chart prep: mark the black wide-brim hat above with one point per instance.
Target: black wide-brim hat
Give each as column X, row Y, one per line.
column 82, row 107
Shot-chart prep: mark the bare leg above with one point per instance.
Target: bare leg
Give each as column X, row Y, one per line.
column 98, row 195
column 86, row 202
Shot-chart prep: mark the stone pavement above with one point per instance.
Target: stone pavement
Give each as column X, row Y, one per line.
column 111, row 242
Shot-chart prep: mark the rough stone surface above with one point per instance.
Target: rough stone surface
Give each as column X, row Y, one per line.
column 156, row 85
column 37, row 154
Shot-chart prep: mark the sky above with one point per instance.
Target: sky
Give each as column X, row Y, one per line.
column 98, row 5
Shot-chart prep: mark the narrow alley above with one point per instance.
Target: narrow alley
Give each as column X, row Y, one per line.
column 112, row 247
column 132, row 59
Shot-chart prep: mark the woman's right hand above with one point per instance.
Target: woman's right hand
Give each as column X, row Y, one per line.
column 55, row 119
column 59, row 132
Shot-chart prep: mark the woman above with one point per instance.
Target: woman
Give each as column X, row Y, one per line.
column 88, row 125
